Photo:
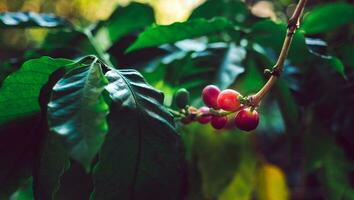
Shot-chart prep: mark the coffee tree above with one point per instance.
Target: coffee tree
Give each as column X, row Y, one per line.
column 108, row 111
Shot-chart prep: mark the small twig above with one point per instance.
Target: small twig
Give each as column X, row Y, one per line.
column 293, row 24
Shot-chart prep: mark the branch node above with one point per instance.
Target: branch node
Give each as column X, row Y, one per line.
column 276, row 71
column 267, row 73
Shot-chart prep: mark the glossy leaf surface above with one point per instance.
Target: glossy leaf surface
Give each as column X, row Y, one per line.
column 141, row 158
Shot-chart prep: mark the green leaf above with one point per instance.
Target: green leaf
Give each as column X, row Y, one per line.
column 20, row 91
column 233, row 10
column 30, row 19
column 269, row 34
column 252, row 80
column 73, row 43
column 77, row 111
column 54, row 161
column 124, row 20
column 141, row 158
column 337, row 65
column 231, row 66
column 167, row 34
column 24, row 192
column 326, row 17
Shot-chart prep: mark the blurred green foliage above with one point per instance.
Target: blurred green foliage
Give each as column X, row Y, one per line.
column 301, row 150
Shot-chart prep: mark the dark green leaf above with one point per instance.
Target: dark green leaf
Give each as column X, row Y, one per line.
column 124, row 20
column 77, row 111
column 325, row 156
column 214, row 63
column 54, row 161
column 318, row 47
column 17, row 145
column 75, row 184
column 141, row 158
column 167, row 34
column 20, row 91
column 288, row 106
column 30, row 19
column 327, row 17
column 72, row 44
column 345, row 53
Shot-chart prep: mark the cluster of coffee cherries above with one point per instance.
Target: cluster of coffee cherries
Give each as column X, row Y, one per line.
column 222, row 109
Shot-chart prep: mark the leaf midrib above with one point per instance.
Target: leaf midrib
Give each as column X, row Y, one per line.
column 137, row 163
column 82, row 99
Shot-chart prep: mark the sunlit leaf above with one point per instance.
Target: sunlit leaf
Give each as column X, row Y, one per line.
column 243, row 182
column 167, row 34
column 218, row 154
column 27, row 82
column 234, row 10
column 124, row 20
column 271, row 183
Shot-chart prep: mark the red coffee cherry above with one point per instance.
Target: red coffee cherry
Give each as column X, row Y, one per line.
column 204, row 119
column 210, row 95
column 218, row 122
column 246, row 119
column 228, row 100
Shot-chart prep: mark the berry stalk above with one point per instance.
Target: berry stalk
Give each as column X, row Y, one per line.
column 220, row 104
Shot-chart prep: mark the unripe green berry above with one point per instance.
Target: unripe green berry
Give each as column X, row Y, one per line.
column 182, row 98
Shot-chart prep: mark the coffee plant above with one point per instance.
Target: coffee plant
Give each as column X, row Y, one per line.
column 225, row 105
